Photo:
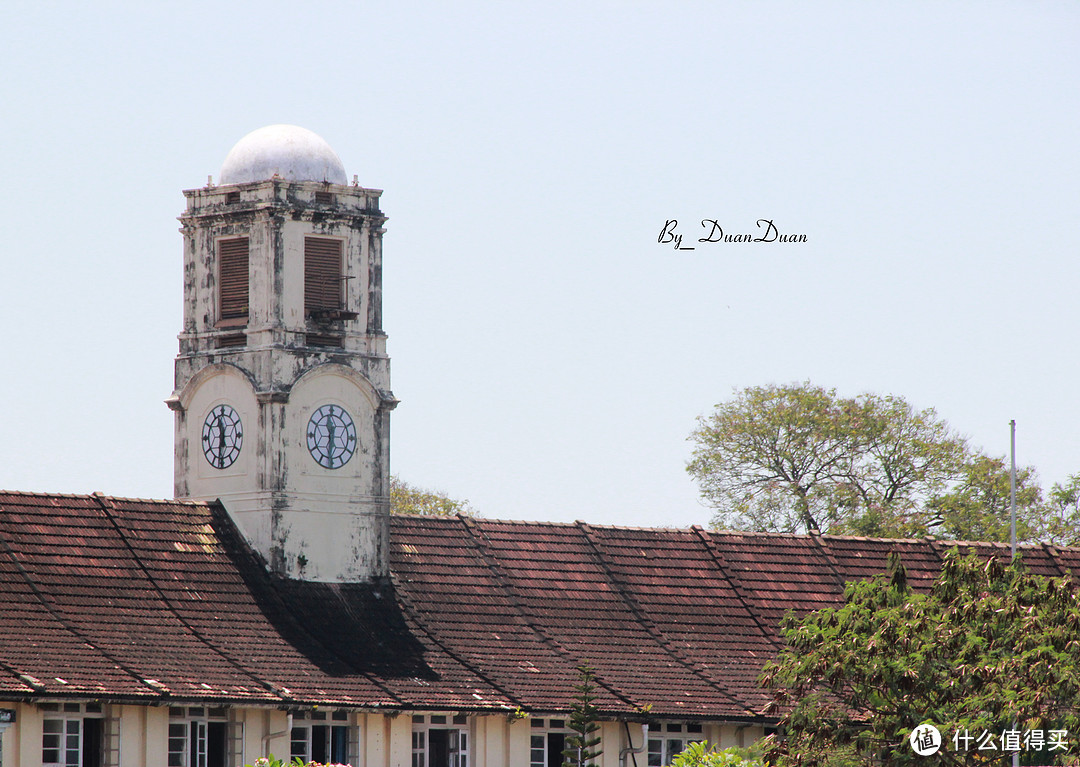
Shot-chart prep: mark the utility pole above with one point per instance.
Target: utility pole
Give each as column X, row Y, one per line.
column 1012, row 524
column 1012, row 486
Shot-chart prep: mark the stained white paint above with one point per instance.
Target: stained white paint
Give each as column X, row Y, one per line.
column 308, row 521
column 289, row 152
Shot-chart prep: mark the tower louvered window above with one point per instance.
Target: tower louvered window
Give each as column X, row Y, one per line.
column 233, row 278
column 324, row 284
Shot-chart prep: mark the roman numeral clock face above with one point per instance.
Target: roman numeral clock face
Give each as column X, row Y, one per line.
column 222, row 436
column 331, row 436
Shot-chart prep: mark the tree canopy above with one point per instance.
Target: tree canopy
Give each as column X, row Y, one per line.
column 410, row 499
column 977, row 506
column 1061, row 516
column 800, row 457
column 991, row 651
column 700, row 754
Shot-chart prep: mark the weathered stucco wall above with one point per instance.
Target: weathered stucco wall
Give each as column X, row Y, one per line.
column 278, row 365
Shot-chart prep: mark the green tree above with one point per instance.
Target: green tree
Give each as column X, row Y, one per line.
column 977, row 507
column 799, row 457
column 701, row 755
column 581, row 746
column 991, row 647
column 409, row 499
column 1060, row 522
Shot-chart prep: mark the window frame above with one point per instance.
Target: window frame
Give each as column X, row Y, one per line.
column 543, row 728
column 195, row 739
column 71, row 719
column 459, row 739
column 663, row 736
column 336, row 724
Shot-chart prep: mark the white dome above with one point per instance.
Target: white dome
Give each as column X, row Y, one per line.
column 287, row 151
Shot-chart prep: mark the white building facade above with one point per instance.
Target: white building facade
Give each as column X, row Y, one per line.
column 160, row 736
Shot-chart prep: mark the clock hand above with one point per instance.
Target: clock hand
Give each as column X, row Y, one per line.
column 221, row 442
column 330, row 445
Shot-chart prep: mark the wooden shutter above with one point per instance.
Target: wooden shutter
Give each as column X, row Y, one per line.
column 111, row 740
column 235, row 741
column 322, row 275
column 233, row 278
column 354, row 742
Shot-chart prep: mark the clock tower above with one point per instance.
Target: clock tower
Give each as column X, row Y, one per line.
column 282, row 391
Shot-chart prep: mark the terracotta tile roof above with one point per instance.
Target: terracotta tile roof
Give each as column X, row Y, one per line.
column 160, row 601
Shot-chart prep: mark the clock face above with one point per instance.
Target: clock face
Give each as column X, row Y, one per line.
column 222, row 436
column 331, row 436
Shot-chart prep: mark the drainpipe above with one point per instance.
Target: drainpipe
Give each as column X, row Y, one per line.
column 267, row 738
column 738, row 736
column 630, row 749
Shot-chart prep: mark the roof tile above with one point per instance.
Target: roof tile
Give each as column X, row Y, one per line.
column 100, row 595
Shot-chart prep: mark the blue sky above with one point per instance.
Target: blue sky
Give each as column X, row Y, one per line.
column 551, row 356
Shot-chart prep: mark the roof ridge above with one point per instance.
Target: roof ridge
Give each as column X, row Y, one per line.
column 1052, row 552
column 31, row 684
column 227, row 527
column 731, row 576
column 751, row 533
column 119, row 663
column 551, row 523
column 936, row 547
column 407, row 602
column 830, row 560
column 90, row 497
column 946, row 542
column 108, row 509
column 503, row 582
column 650, row 625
